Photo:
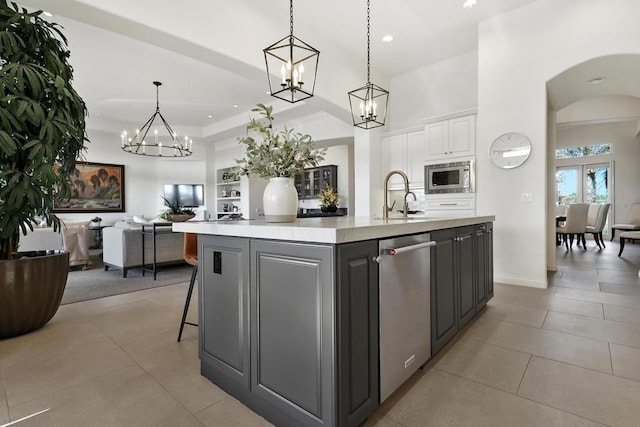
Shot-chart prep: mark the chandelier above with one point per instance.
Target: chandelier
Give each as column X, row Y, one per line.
column 369, row 102
column 286, row 58
column 156, row 145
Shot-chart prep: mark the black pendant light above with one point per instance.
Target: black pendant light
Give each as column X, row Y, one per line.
column 295, row 64
column 159, row 144
column 369, row 103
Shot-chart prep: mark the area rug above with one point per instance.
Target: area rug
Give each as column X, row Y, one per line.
column 94, row 282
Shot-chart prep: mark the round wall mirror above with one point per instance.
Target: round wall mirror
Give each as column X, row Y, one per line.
column 510, row 150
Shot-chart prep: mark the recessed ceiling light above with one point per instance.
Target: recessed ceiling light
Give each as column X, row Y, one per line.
column 210, row 116
column 596, row 80
column 388, row 38
column 468, row 4
column 235, row 105
column 47, row 14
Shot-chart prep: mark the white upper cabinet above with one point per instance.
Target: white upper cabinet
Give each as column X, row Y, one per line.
column 394, row 157
column 451, row 138
column 405, row 152
column 416, row 156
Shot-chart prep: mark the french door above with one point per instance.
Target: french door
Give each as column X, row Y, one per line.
column 588, row 183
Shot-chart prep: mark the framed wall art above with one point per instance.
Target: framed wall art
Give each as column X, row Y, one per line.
column 97, row 187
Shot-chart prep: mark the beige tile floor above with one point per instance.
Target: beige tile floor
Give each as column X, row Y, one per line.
column 567, row 355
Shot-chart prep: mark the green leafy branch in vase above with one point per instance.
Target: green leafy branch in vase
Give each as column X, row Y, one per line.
column 280, row 153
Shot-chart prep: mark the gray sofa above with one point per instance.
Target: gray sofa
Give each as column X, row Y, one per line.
column 122, row 247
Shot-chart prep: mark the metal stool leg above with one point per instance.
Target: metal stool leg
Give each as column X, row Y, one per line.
column 186, row 303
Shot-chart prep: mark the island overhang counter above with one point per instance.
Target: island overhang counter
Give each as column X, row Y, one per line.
column 289, row 313
column 334, row 230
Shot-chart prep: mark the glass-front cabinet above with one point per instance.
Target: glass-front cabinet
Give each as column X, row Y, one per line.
column 310, row 183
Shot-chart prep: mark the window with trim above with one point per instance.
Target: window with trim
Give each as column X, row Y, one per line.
column 592, row 150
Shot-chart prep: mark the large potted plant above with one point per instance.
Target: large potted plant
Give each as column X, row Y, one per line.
column 277, row 156
column 42, row 133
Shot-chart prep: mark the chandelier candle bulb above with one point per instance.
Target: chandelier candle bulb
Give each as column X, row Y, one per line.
column 154, row 148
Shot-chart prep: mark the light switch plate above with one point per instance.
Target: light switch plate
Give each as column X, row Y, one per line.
column 527, row 197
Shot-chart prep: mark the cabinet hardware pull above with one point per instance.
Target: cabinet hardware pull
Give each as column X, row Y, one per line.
column 397, row 251
column 460, row 239
column 448, row 204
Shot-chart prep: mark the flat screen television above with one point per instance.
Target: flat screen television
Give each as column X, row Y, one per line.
column 186, row 195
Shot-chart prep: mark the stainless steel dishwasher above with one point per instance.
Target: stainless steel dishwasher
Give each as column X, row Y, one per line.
column 405, row 324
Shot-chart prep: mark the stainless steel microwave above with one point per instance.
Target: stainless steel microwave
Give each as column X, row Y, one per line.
column 456, row 177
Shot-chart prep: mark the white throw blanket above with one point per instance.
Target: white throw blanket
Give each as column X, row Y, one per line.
column 75, row 241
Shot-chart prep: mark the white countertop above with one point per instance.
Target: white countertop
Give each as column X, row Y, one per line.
column 328, row 229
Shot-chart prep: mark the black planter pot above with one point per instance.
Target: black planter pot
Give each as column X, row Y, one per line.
column 328, row 208
column 31, row 289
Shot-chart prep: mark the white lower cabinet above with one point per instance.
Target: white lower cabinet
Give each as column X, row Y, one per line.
column 449, row 205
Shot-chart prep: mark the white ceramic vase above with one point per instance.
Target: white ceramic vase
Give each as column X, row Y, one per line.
column 280, row 200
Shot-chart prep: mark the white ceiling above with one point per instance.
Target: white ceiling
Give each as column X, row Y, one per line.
column 114, row 72
column 620, row 73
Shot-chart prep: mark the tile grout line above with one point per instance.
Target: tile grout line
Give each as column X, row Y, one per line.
column 544, row 357
column 523, row 374
column 559, row 409
column 524, row 397
column 6, row 399
column 545, row 319
column 611, row 359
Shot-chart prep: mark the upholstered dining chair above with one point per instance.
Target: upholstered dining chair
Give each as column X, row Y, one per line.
column 633, row 221
column 190, row 254
column 598, row 225
column 575, row 225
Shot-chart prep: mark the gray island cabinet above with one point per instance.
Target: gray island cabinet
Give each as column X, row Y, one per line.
column 289, row 317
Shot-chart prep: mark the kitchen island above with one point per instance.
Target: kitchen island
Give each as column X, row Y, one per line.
column 290, row 313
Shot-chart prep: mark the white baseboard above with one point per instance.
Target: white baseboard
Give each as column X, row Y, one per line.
column 542, row 284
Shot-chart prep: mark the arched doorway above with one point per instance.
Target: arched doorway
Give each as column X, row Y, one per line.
column 594, row 111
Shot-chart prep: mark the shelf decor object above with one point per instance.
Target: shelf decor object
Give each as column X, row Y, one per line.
column 157, row 145
column 295, row 64
column 369, row 103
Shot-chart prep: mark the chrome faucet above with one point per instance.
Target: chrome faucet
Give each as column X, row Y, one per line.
column 386, row 209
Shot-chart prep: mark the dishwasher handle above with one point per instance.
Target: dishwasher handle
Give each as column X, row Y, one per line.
column 397, row 251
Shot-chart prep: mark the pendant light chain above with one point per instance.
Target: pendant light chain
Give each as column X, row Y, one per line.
column 291, row 15
column 368, row 42
column 157, row 95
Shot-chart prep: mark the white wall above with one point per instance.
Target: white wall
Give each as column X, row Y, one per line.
column 432, row 91
column 600, row 108
column 518, row 53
